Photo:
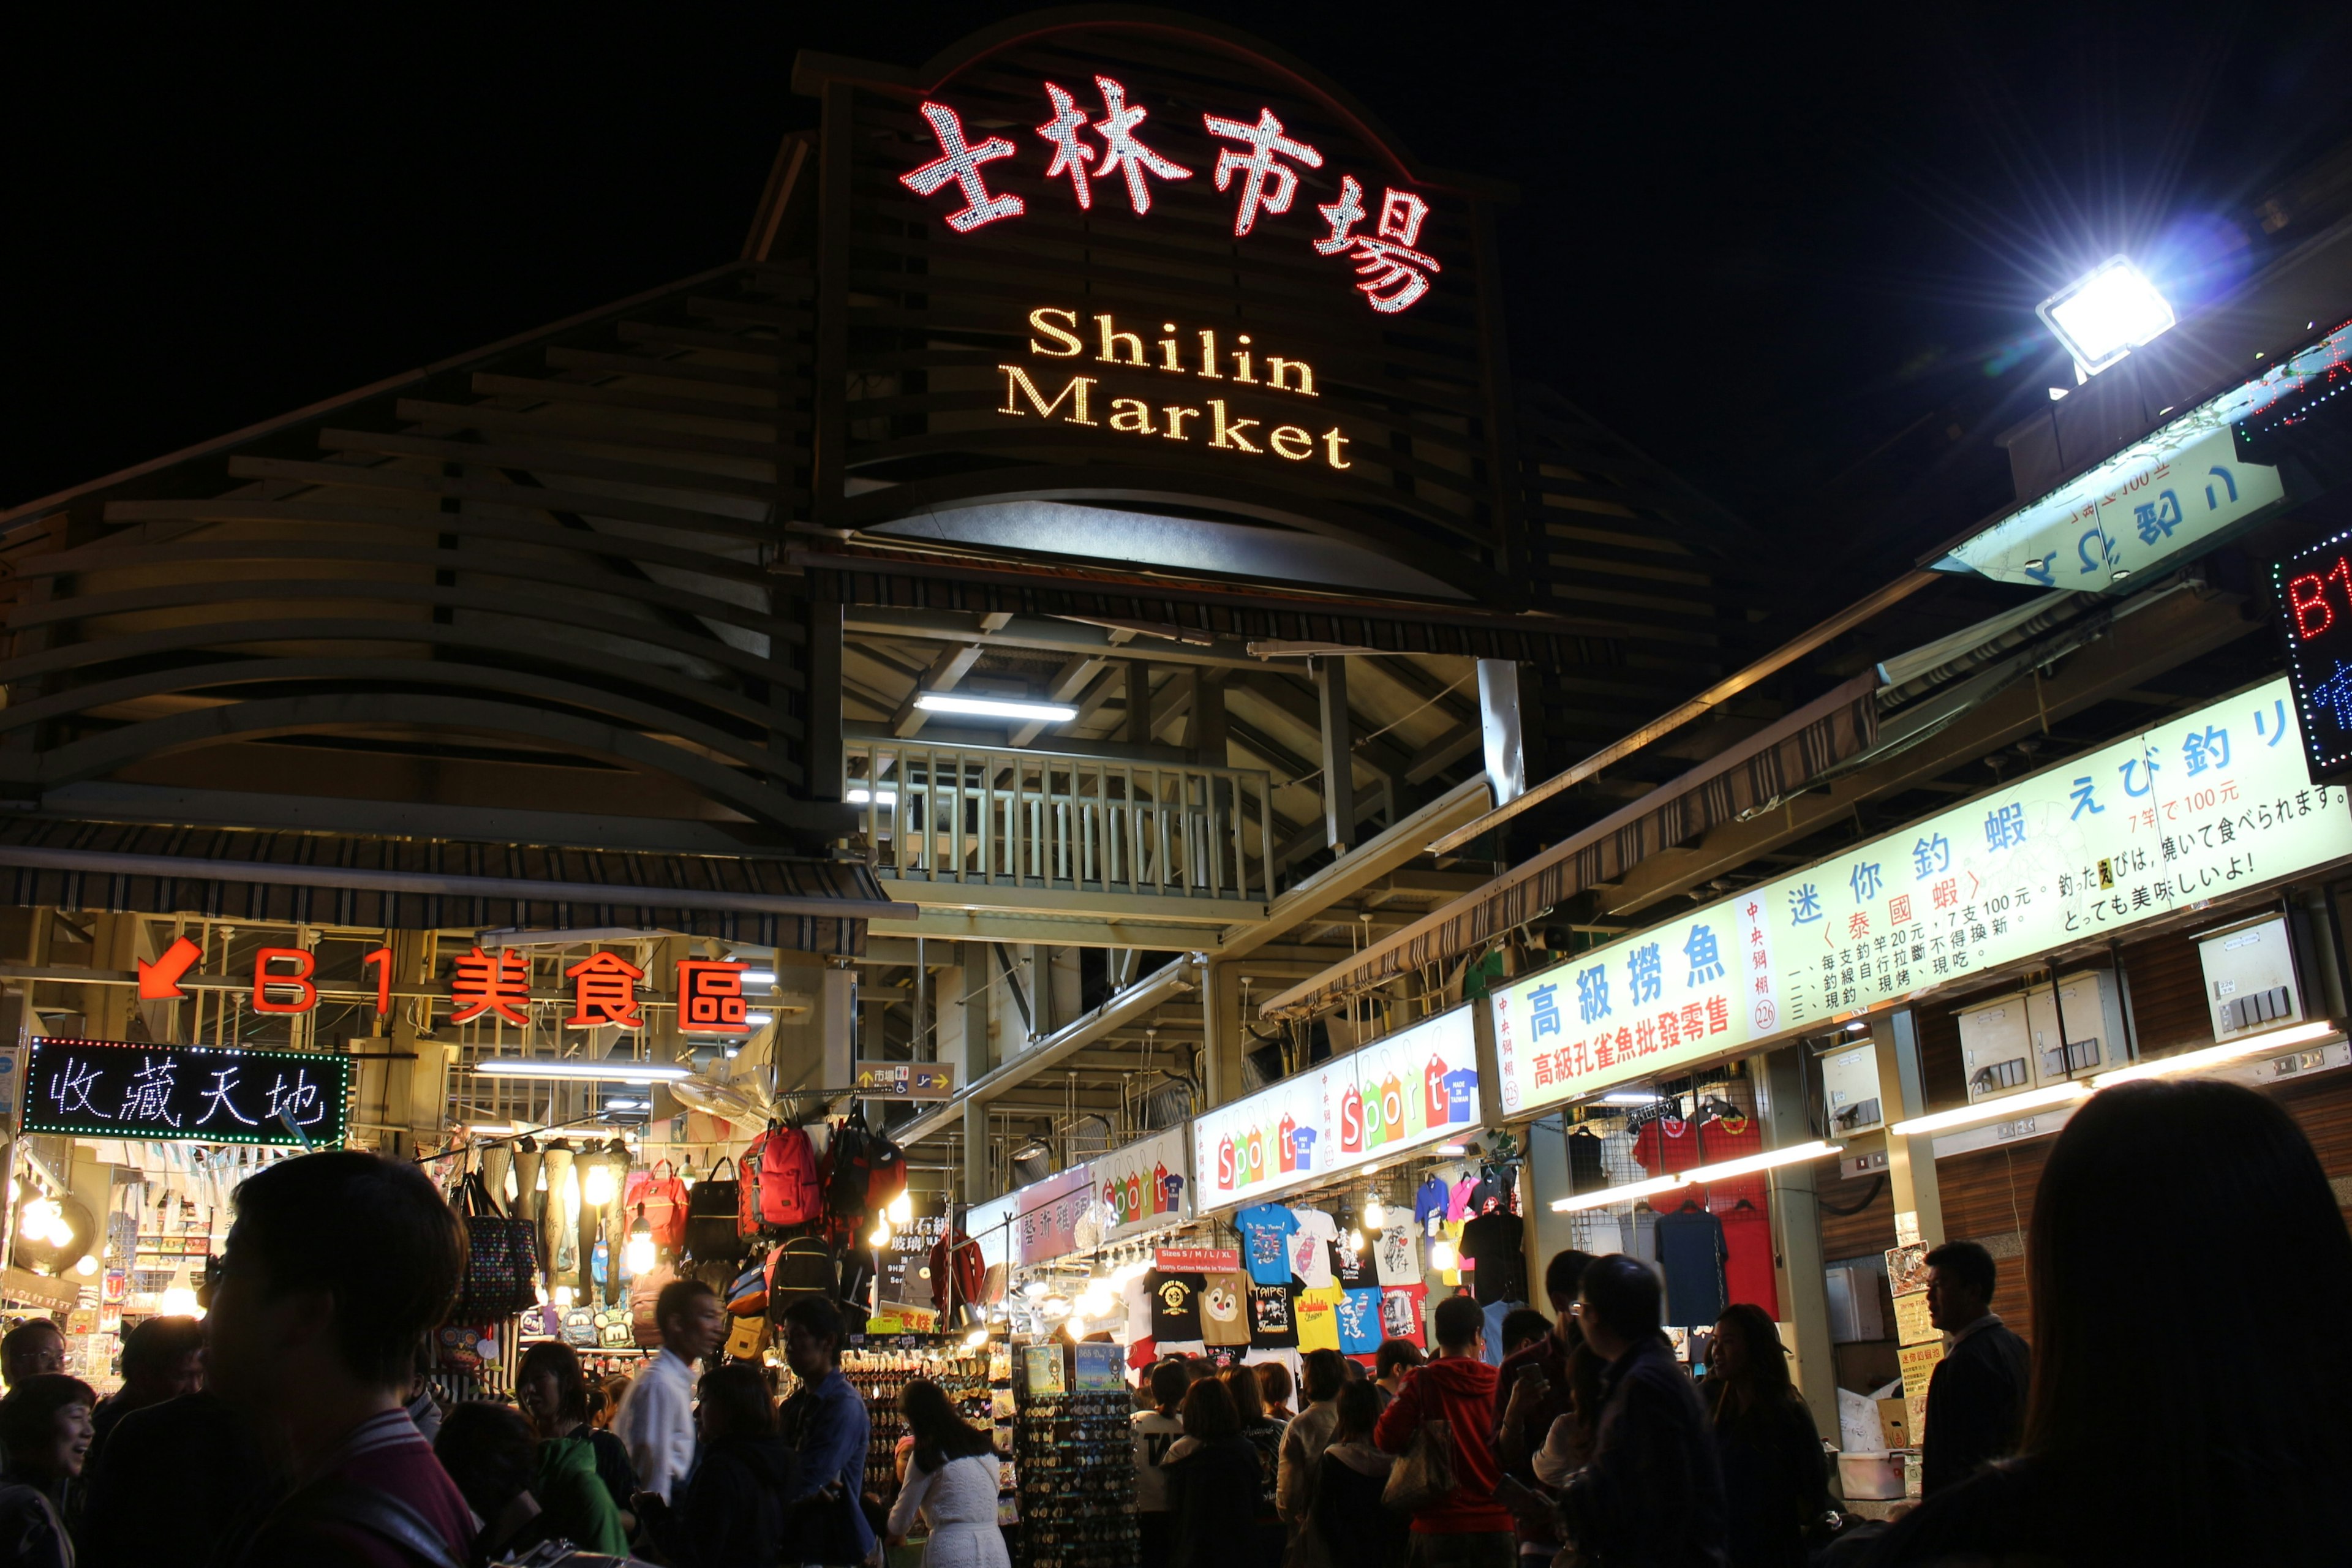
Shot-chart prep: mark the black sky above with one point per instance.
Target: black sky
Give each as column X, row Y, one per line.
column 1792, row 253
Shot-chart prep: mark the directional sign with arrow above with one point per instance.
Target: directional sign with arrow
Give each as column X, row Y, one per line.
column 160, row 981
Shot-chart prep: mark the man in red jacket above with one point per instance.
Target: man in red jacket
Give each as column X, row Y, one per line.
column 1469, row 1528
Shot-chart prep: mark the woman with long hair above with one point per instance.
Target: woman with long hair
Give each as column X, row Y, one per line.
column 1266, row 1534
column 730, row 1513
column 1775, row 1481
column 1347, row 1527
column 2166, row 1425
column 951, row 1481
column 1208, row 1469
column 553, row 1393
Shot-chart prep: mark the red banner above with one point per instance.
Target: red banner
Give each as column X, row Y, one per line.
column 1197, row 1259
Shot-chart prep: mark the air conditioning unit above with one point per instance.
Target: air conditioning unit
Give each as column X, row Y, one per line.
column 1850, row 1087
column 1996, row 1048
column 2250, row 982
column 2094, row 1014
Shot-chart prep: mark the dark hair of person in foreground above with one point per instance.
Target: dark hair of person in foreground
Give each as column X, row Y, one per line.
column 2217, row 1433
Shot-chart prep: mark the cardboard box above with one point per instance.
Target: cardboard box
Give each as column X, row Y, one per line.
column 1894, row 1422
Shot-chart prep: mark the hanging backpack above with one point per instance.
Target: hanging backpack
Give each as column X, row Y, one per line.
column 659, row 1197
column 710, row 1217
column 850, row 1167
column 801, row 1268
column 779, row 1185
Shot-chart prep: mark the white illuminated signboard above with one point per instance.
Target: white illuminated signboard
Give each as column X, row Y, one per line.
column 1418, row 1085
column 1146, row 1186
column 2202, row 806
column 2172, row 489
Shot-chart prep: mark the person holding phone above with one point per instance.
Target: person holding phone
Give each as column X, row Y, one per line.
column 1531, row 1397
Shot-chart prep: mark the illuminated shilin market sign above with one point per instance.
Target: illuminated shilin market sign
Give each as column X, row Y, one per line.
column 2196, row 808
column 102, row 1089
column 1256, row 160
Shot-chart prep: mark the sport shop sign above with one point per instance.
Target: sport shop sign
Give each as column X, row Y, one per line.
column 1419, row 1086
column 2212, row 803
column 1143, row 1186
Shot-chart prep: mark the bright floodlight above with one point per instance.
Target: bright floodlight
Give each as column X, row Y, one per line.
column 2104, row 315
column 994, row 707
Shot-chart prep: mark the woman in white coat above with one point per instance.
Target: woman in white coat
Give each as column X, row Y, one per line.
column 950, row 1482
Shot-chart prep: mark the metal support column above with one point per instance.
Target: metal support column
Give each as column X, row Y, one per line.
column 1910, row 1161
column 1796, row 1214
column 1339, row 754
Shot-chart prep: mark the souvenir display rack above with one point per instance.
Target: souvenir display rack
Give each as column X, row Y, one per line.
column 1075, row 1451
column 880, row 1371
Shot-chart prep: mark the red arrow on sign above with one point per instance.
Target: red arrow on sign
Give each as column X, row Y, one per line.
column 160, row 981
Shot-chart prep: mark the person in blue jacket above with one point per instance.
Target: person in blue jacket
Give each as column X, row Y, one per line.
column 825, row 1425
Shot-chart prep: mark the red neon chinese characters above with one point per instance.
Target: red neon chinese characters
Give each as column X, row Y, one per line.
column 1071, row 155
column 486, row 985
column 1395, row 274
column 960, row 161
column 1266, row 185
column 710, row 997
column 1123, row 154
column 604, row 990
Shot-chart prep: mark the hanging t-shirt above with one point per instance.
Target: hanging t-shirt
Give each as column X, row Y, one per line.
column 1359, row 1322
column 1400, row 1312
column 1396, row 1256
column 1430, row 1201
column 1724, row 1138
column 1351, row 1266
column 1273, row 1319
column 1457, row 1205
column 1453, row 1229
column 1266, row 1230
column 1318, row 1318
column 1691, row 1252
column 1137, row 1300
column 1310, row 1247
column 1461, row 1095
column 1748, row 1273
column 1584, row 1164
column 1224, row 1310
column 1175, row 1305
column 1492, row 1192
column 1493, row 1245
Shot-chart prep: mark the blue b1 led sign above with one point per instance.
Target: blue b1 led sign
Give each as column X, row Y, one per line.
column 2314, row 588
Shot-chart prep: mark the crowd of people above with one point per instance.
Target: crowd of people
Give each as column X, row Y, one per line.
column 292, row 1426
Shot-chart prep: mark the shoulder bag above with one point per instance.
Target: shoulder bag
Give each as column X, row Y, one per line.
column 502, row 1257
column 710, row 1206
column 1424, row 1478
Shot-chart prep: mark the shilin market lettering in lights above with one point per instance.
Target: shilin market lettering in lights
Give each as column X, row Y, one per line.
column 1417, row 1086
column 2212, row 803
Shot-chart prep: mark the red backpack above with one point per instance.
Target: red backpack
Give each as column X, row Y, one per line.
column 779, row 1182
column 660, row 1197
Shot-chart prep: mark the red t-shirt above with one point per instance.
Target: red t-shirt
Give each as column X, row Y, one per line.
column 1748, row 1274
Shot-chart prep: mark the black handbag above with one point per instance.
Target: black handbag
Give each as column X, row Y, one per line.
column 710, row 1230
column 502, row 1257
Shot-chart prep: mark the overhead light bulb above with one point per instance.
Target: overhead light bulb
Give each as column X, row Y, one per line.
column 641, row 1251
column 565, row 1295
column 974, row 1340
column 881, row 1234
column 598, row 1188
column 179, row 1301
column 1355, row 1238
column 1375, row 1216
column 1076, row 1326
column 89, row 1264
column 1034, row 1288
column 60, row 1233
column 902, row 1208
column 1441, row 1254
column 2106, row 313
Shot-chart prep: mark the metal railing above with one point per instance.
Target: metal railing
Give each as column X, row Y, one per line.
column 1043, row 819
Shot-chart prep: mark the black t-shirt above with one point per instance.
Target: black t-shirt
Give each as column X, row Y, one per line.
column 1175, row 1305
column 1492, row 1242
column 1584, row 1164
column 1351, row 1266
column 1273, row 1322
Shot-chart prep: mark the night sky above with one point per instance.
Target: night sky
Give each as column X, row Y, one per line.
column 1794, row 256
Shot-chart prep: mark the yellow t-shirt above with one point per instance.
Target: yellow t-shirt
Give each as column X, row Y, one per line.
column 1318, row 1318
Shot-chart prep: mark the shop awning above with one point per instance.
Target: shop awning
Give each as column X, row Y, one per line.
column 860, row 576
column 1749, row 778
column 326, row 879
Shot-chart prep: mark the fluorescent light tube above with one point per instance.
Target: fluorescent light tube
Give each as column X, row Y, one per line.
column 2217, row 1055
column 582, row 1071
column 994, row 707
column 1992, row 1109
